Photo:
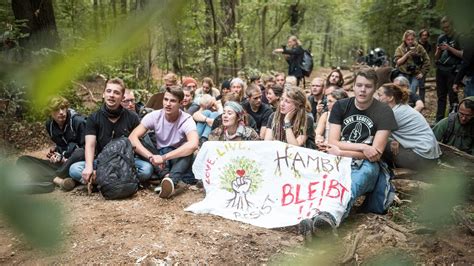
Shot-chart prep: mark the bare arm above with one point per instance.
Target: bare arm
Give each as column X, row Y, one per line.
column 263, row 131
column 268, row 134
column 419, row 105
column 91, row 141
column 321, row 127
column 134, row 138
column 187, row 148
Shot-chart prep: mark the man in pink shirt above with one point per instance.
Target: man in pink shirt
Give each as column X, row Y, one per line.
column 176, row 140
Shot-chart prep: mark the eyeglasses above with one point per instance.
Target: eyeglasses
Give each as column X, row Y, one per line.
column 468, row 116
column 129, row 101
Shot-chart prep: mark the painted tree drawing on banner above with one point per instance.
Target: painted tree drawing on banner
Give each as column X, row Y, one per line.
column 241, row 177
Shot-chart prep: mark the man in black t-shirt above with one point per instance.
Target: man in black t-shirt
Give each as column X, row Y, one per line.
column 317, row 99
column 109, row 122
column 447, row 56
column 258, row 110
column 359, row 128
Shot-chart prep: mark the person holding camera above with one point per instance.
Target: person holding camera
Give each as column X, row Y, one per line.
column 411, row 59
column 448, row 56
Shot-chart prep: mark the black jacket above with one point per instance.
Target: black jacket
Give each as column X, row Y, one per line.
column 294, row 60
column 71, row 136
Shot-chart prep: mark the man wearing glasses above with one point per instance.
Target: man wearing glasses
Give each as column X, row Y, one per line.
column 458, row 128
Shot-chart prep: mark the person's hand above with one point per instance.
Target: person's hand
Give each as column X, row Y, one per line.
column 394, row 147
column 87, row 174
column 320, row 107
column 278, row 50
column 319, row 139
column 157, row 160
column 372, row 153
column 290, row 115
column 456, row 88
column 419, row 76
column 51, row 152
column 443, row 46
column 331, row 149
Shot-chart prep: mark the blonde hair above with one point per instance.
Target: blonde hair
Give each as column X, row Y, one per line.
column 172, row 78
column 205, row 99
column 295, row 39
column 298, row 96
column 56, row 103
column 408, row 33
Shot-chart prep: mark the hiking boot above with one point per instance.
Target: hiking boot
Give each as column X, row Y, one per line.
column 68, row 184
column 323, row 223
column 167, row 188
column 306, row 229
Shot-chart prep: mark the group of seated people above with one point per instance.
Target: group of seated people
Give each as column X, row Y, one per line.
column 376, row 127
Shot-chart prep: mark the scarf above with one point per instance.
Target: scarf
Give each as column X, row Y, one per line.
column 111, row 113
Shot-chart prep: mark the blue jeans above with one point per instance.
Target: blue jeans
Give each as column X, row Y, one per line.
column 204, row 129
column 179, row 169
column 469, row 88
column 144, row 170
column 413, row 82
column 364, row 179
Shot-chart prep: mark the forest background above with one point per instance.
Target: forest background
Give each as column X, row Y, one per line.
column 54, row 42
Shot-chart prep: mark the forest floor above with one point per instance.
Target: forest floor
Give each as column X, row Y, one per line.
column 147, row 229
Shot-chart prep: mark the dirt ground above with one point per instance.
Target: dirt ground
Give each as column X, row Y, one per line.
column 148, row 230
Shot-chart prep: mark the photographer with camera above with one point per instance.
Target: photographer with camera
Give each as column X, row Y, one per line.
column 448, row 58
column 411, row 59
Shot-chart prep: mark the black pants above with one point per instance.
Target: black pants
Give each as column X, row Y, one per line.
column 444, row 88
column 407, row 158
column 44, row 171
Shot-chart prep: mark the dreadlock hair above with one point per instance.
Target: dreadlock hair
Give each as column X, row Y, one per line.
column 299, row 122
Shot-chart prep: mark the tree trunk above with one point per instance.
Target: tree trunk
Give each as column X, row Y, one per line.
column 123, row 7
column 262, row 28
column 215, row 42
column 325, row 43
column 41, row 23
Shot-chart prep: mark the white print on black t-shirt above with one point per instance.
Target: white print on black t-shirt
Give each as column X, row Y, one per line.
column 357, row 129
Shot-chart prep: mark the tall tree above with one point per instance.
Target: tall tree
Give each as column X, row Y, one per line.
column 40, row 23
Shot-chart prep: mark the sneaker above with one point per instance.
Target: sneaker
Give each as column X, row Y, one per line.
column 306, row 229
column 324, row 222
column 167, row 188
column 68, row 184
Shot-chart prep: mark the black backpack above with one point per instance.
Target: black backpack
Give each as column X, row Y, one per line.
column 116, row 174
column 307, row 63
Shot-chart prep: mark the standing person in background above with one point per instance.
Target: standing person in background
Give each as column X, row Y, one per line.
column 467, row 69
column 411, row 60
column 424, row 40
column 293, row 53
column 448, row 56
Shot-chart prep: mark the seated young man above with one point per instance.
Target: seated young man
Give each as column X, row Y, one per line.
column 359, row 128
column 256, row 109
column 457, row 129
column 109, row 122
column 176, row 140
column 66, row 130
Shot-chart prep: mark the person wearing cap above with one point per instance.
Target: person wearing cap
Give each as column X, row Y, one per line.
column 190, row 83
column 233, row 126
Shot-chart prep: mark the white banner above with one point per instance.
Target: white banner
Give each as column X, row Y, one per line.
column 270, row 183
